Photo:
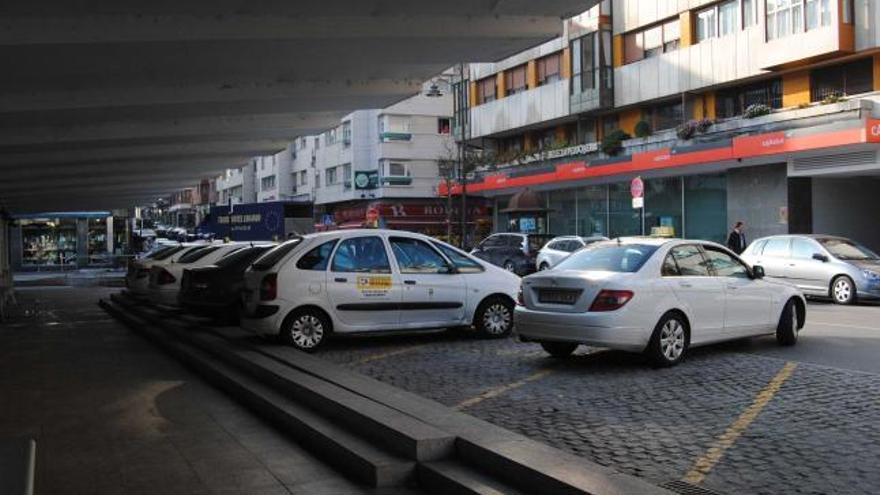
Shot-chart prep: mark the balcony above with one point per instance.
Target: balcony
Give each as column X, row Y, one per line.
column 534, row 106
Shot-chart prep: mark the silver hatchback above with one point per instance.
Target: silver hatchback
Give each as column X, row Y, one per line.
column 820, row 265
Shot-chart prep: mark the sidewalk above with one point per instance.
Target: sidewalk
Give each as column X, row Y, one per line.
column 112, row 414
column 86, row 277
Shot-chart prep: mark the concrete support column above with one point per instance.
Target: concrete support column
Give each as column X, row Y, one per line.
column 82, row 242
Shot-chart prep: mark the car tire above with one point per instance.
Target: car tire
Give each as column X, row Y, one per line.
column 543, row 267
column 559, row 349
column 509, row 266
column 843, row 290
column 669, row 342
column 494, row 318
column 787, row 329
column 306, row 329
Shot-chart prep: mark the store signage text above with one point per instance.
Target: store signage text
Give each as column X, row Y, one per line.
column 240, row 219
column 581, row 149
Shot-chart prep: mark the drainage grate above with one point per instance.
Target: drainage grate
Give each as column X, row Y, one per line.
column 685, row 488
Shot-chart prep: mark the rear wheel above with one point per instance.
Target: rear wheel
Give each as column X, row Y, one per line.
column 306, row 330
column 494, row 317
column 843, row 291
column 559, row 349
column 669, row 341
column 787, row 330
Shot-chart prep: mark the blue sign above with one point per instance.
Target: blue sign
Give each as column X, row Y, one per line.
column 250, row 222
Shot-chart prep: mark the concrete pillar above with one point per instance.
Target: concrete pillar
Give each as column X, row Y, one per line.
column 82, row 242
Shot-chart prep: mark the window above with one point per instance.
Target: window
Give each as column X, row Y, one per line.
column 486, row 90
column 845, row 249
column 846, row 79
column 267, row 183
column 303, row 177
column 396, row 169
column 444, row 126
column 625, row 258
column 665, row 116
column 785, row 17
column 317, row 143
column 417, row 257
column 462, row 262
column 515, row 80
column 346, row 133
column 652, row 41
column 724, row 265
column 330, row 176
column 549, row 69
column 196, row 254
column 346, row 175
column 243, row 257
column 848, row 13
column 749, row 17
column 690, row 261
column 777, row 248
column 758, row 248
column 318, row 258
column 361, row 255
column 274, row 255
column 733, row 102
column 727, row 17
column 803, row 249
column 706, row 24
column 670, row 267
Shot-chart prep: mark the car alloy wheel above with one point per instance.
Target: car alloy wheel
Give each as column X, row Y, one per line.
column 842, row 290
column 307, row 331
column 672, row 340
column 494, row 318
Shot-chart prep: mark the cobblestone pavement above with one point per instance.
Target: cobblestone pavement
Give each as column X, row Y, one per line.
column 816, row 435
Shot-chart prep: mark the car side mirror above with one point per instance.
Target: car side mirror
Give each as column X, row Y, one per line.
column 758, row 272
column 820, row 257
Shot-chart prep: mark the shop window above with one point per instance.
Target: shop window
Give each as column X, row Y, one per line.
column 486, row 90
column 733, row 102
column 515, row 80
column 549, row 69
column 846, row 79
column 705, row 207
column 663, row 208
column 48, row 242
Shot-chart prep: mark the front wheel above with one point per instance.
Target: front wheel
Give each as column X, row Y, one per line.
column 843, row 291
column 306, row 330
column 669, row 342
column 559, row 349
column 787, row 330
column 494, row 318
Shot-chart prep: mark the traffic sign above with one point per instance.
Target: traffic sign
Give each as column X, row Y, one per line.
column 637, row 188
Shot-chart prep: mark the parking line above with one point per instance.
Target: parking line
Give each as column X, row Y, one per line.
column 495, row 392
column 383, row 355
column 712, row 456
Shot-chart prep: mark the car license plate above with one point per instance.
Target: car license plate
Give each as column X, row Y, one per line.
column 558, row 296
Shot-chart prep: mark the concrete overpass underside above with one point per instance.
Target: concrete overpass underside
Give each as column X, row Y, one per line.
column 108, row 103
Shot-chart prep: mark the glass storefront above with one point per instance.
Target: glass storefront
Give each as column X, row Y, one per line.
column 563, row 211
column 592, row 211
column 48, row 242
column 98, row 252
column 623, row 219
column 705, row 204
column 663, row 207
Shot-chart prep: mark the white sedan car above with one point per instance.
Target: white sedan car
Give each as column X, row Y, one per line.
column 560, row 248
column 165, row 278
column 368, row 281
column 656, row 296
column 137, row 279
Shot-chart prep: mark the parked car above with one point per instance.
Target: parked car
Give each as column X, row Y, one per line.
column 820, row 265
column 215, row 290
column 137, row 279
column 164, row 284
column 369, row 281
column 560, row 247
column 656, row 296
column 515, row 253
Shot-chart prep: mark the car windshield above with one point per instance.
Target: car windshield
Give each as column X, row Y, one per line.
column 271, row 258
column 844, row 249
column 622, row 258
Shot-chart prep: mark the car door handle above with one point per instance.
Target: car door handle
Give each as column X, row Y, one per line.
column 732, row 287
column 409, row 282
column 685, row 284
column 340, row 280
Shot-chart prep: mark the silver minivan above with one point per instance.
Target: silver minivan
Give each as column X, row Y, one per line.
column 820, row 265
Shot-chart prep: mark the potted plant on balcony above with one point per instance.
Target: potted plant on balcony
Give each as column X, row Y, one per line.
column 757, row 110
column 612, row 143
column 642, row 129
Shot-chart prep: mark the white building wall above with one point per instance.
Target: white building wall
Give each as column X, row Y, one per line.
column 544, row 103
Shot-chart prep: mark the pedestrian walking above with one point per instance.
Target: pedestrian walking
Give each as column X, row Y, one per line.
column 736, row 241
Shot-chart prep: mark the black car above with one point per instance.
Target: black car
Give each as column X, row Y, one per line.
column 216, row 290
column 514, row 252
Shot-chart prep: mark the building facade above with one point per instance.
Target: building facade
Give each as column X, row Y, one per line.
column 749, row 110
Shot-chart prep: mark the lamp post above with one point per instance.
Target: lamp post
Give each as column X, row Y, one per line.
column 462, row 155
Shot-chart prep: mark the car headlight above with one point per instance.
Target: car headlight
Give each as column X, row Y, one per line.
column 874, row 276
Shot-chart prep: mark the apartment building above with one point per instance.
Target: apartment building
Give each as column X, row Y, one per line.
column 755, row 110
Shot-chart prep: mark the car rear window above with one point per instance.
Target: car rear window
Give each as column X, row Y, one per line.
column 272, row 258
column 243, row 256
column 197, row 254
column 168, row 253
column 622, row 258
column 157, row 252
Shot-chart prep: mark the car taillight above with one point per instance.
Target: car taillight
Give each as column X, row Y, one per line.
column 611, row 300
column 520, row 298
column 269, row 287
column 165, row 277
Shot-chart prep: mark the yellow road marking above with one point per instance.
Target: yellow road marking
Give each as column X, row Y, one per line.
column 495, row 392
column 712, row 456
column 383, row 355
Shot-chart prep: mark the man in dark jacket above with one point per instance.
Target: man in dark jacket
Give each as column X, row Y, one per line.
column 736, row 241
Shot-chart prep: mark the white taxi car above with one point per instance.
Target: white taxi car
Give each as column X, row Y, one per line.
column 137, row 278
column 656, row 296
column 165, row 278
column 367, row 281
